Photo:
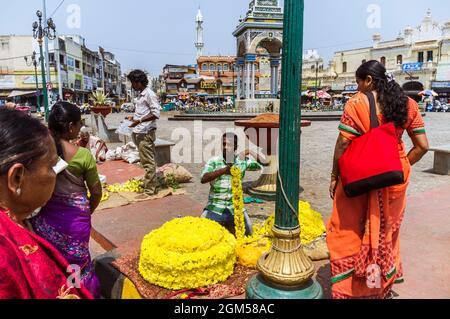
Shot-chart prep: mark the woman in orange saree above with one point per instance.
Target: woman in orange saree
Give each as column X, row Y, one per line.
column 363, row 232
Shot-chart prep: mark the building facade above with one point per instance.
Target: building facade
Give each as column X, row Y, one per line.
column 78, row 69
column 217, row 75
column 418, row 58
column 259, row 39
column 175, row 78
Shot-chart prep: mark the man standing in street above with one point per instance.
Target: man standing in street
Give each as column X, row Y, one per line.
column 144, row 129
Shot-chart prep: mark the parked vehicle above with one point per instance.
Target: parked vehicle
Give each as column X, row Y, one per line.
column 429, row 107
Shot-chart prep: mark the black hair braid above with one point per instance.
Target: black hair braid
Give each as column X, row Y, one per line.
column 391, row 97
column 62, row 114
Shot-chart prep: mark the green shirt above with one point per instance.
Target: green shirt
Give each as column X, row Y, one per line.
column 220, row 194
column 84, row 165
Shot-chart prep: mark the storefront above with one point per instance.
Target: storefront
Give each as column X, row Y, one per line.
column 413, row 88
column 442, row 88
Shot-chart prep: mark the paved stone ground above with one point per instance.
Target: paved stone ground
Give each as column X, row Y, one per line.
column 316, row 159
column 425, row 234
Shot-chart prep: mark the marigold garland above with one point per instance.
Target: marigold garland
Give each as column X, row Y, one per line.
column 250, row 248
column 188, row 253
column 131, row 186
column 238, row 203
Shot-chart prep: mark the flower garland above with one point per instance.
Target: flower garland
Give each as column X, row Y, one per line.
column 238, row 203
column 132, row 186
column 250, row 248
column 187, row 253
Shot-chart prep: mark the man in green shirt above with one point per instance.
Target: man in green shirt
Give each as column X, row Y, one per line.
column 217, row 173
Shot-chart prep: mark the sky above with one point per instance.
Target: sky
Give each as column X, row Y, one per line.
column 148, row 34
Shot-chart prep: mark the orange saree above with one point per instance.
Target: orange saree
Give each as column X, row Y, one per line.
column 363, row 232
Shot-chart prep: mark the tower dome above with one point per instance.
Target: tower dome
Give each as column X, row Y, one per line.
column 199, row 17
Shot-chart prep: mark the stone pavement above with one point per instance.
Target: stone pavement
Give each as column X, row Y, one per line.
column 425, row 246
column 425, row 232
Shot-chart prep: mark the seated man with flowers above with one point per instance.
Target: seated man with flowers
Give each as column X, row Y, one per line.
column 217, row 172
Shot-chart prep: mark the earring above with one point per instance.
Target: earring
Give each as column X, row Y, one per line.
column 19, row 192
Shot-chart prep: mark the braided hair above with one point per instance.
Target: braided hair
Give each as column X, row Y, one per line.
column 391, row 97
column 62, row 114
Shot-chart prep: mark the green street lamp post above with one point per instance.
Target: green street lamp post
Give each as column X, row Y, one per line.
column 35, row 64
column 286, row 272
column 39, row 33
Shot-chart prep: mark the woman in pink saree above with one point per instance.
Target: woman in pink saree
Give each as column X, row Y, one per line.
column 30, row 267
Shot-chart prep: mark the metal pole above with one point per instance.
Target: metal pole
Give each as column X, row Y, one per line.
column 286, row 272
column 38, row 93
column 44, row 82
column 49, row 79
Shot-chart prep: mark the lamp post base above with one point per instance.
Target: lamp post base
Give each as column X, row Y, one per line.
column 286, row 271
column 259, row 288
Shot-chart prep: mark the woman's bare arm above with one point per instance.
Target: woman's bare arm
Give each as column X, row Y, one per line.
column 96, row 196
column 341, row 146
column 420, row 148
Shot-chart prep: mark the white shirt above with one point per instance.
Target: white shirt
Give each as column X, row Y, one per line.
column 146, row 104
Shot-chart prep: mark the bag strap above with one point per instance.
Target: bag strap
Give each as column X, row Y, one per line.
column 374, row 123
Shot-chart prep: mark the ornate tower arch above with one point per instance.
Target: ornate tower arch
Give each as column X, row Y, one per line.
column 259, row 39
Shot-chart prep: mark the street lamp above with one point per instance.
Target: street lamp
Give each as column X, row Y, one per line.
column 286, row 272
column 39, row 33
column 35, row 63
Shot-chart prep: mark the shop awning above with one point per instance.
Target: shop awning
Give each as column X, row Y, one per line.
column 21, row 93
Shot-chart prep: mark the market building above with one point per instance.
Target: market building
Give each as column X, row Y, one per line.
column 175, row 78
column 217, row 76
column 79, row 69
column 418, row 58
column 17, row 75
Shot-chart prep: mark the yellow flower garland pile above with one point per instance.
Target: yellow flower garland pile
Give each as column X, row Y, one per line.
column 132, row 186
column 187, row 253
